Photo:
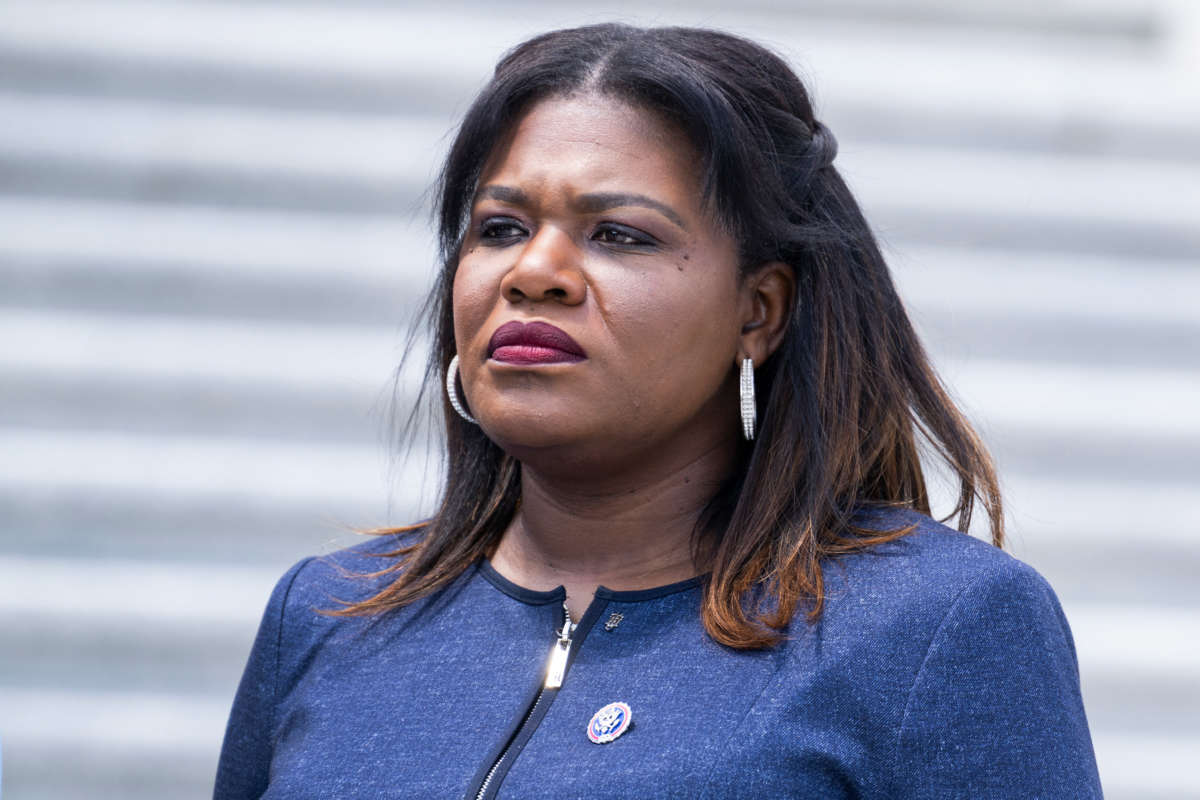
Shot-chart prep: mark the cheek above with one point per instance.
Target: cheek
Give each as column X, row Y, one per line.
column 679, row 336
column 471, row 300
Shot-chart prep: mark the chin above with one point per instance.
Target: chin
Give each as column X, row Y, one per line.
column 529, row 433
column 554, row 445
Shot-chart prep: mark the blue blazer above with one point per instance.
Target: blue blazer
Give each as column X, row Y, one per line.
column 941, row 668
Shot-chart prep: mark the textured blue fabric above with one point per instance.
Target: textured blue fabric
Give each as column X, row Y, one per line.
column 941, row 668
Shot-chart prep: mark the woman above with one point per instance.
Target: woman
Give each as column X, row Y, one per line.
column 683, row 547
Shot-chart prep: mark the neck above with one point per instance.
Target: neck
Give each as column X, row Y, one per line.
column 627, row 532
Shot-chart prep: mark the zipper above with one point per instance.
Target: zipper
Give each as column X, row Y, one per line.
column 556, row 670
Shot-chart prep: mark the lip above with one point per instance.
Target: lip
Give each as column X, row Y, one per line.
column 533, row 343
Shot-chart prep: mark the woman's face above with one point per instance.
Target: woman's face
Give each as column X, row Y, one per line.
column 589, row 219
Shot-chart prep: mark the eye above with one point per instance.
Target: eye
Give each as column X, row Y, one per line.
column 497, row 230
column 621, row 235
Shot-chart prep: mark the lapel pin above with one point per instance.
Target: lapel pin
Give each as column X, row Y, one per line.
column 614, row 619
column 609, row 722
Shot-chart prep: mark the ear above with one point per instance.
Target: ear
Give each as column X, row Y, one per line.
column 767, row 299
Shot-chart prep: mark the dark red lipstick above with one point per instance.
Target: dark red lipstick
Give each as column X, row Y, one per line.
column 533, row 343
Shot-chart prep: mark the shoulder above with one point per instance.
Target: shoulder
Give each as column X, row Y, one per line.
column 913, row 586
column 297, row 623
column 933, row 653
column 348, row 575
column 931, row 549
column 980, row 662
column 932, row 565
column 326, row 583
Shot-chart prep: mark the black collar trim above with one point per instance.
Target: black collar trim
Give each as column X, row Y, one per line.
column 530, row 596
column 559, row 593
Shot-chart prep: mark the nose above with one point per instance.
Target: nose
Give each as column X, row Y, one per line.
column 548, row 267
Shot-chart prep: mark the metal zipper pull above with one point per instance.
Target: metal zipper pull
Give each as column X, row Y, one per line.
column 557, row 668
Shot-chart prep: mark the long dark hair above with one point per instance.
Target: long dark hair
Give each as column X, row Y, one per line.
column 848, row 402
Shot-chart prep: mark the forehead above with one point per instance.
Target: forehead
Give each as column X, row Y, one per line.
column 593, row 142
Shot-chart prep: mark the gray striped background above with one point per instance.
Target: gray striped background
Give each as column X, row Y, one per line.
column 213, row 232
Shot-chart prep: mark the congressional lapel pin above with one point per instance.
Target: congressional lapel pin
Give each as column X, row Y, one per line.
column 610, row 722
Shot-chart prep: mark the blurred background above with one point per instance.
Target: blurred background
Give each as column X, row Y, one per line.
column 214, row 232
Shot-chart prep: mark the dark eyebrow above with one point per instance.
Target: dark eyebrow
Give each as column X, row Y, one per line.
column 588, row 203
column 603, row 201
column 505, row 194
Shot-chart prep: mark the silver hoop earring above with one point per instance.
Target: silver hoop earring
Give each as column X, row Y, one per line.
column 452, row 391
column 749, row 409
